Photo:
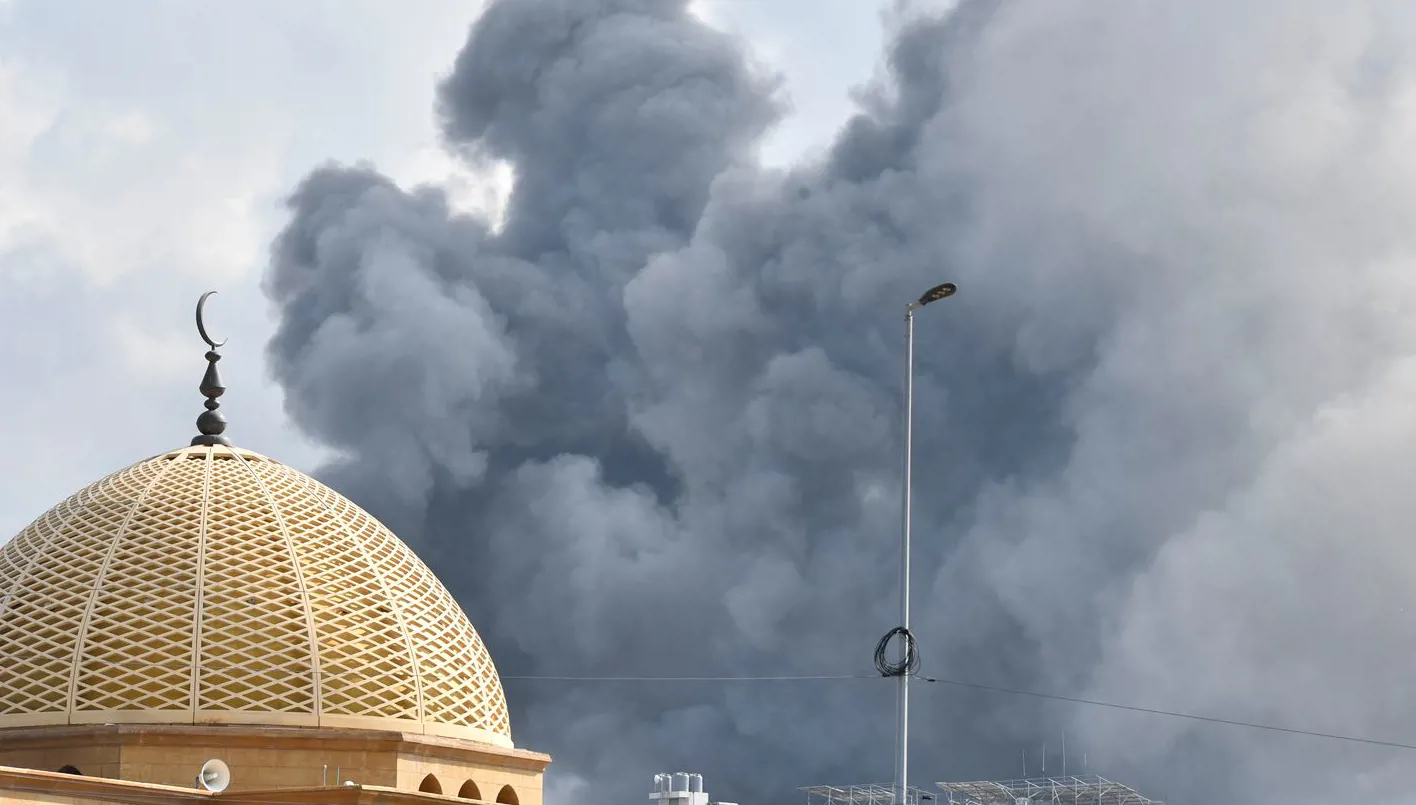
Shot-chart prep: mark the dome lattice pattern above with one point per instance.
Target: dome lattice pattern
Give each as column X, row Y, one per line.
column 215, row 585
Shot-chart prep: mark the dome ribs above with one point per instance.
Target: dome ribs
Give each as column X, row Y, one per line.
column 304, row 591
column 200, row 583
column 256, row 653
column 121, row 646
column 215, row 585
column 366, row 663
column 44, row 605
column 460, row 684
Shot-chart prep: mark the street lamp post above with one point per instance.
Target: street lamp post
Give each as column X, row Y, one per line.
column 908, row 658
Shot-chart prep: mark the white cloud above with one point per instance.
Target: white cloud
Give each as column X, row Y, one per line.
column 824, row 49
column 141, row 167
column 480, row 191
column 132, row 127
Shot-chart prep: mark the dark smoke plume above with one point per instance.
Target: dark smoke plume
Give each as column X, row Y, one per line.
column 649, row 424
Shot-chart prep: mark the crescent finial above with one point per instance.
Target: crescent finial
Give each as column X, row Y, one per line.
column 201, row 326
column 211, row 424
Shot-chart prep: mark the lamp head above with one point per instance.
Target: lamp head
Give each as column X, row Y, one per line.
column 938, row 292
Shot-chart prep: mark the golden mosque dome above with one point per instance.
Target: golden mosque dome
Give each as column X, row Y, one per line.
column 211, row 618
column 213, row 585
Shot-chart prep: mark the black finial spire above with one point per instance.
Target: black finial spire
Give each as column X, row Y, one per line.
column 211, row 424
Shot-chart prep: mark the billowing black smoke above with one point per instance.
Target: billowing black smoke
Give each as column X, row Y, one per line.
column 649, row 425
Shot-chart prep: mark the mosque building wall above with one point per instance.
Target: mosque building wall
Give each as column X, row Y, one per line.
column 281, row 757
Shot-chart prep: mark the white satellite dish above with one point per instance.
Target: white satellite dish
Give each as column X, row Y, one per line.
column 214, row 776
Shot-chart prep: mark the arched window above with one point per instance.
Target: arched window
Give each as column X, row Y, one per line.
column 507, row 796
column 70, row 770
column 469, row 790
column 430, row 785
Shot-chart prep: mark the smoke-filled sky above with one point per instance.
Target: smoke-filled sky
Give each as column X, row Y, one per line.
column 622, row 361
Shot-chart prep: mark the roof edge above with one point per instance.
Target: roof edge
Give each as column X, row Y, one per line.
column 260, row 734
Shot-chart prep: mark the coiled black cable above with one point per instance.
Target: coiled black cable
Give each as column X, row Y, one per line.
column 906, row 666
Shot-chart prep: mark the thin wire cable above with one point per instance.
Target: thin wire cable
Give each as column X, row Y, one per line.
column 1170, row 713
column 991, row 688
column 956, row 683
column 773, row 678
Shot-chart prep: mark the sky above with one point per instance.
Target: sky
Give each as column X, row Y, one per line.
column 144, row 158
column 597, row 304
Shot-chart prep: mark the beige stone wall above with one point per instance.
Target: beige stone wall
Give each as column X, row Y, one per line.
column 452, row 775
column 45, row 798
column 256, row 767
column 91, row 761
column 265, row 758
column 26, row 787
column 252, row 767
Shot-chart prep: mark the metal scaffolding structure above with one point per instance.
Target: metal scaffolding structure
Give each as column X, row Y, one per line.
column 864, row 795
column 1089, row 790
